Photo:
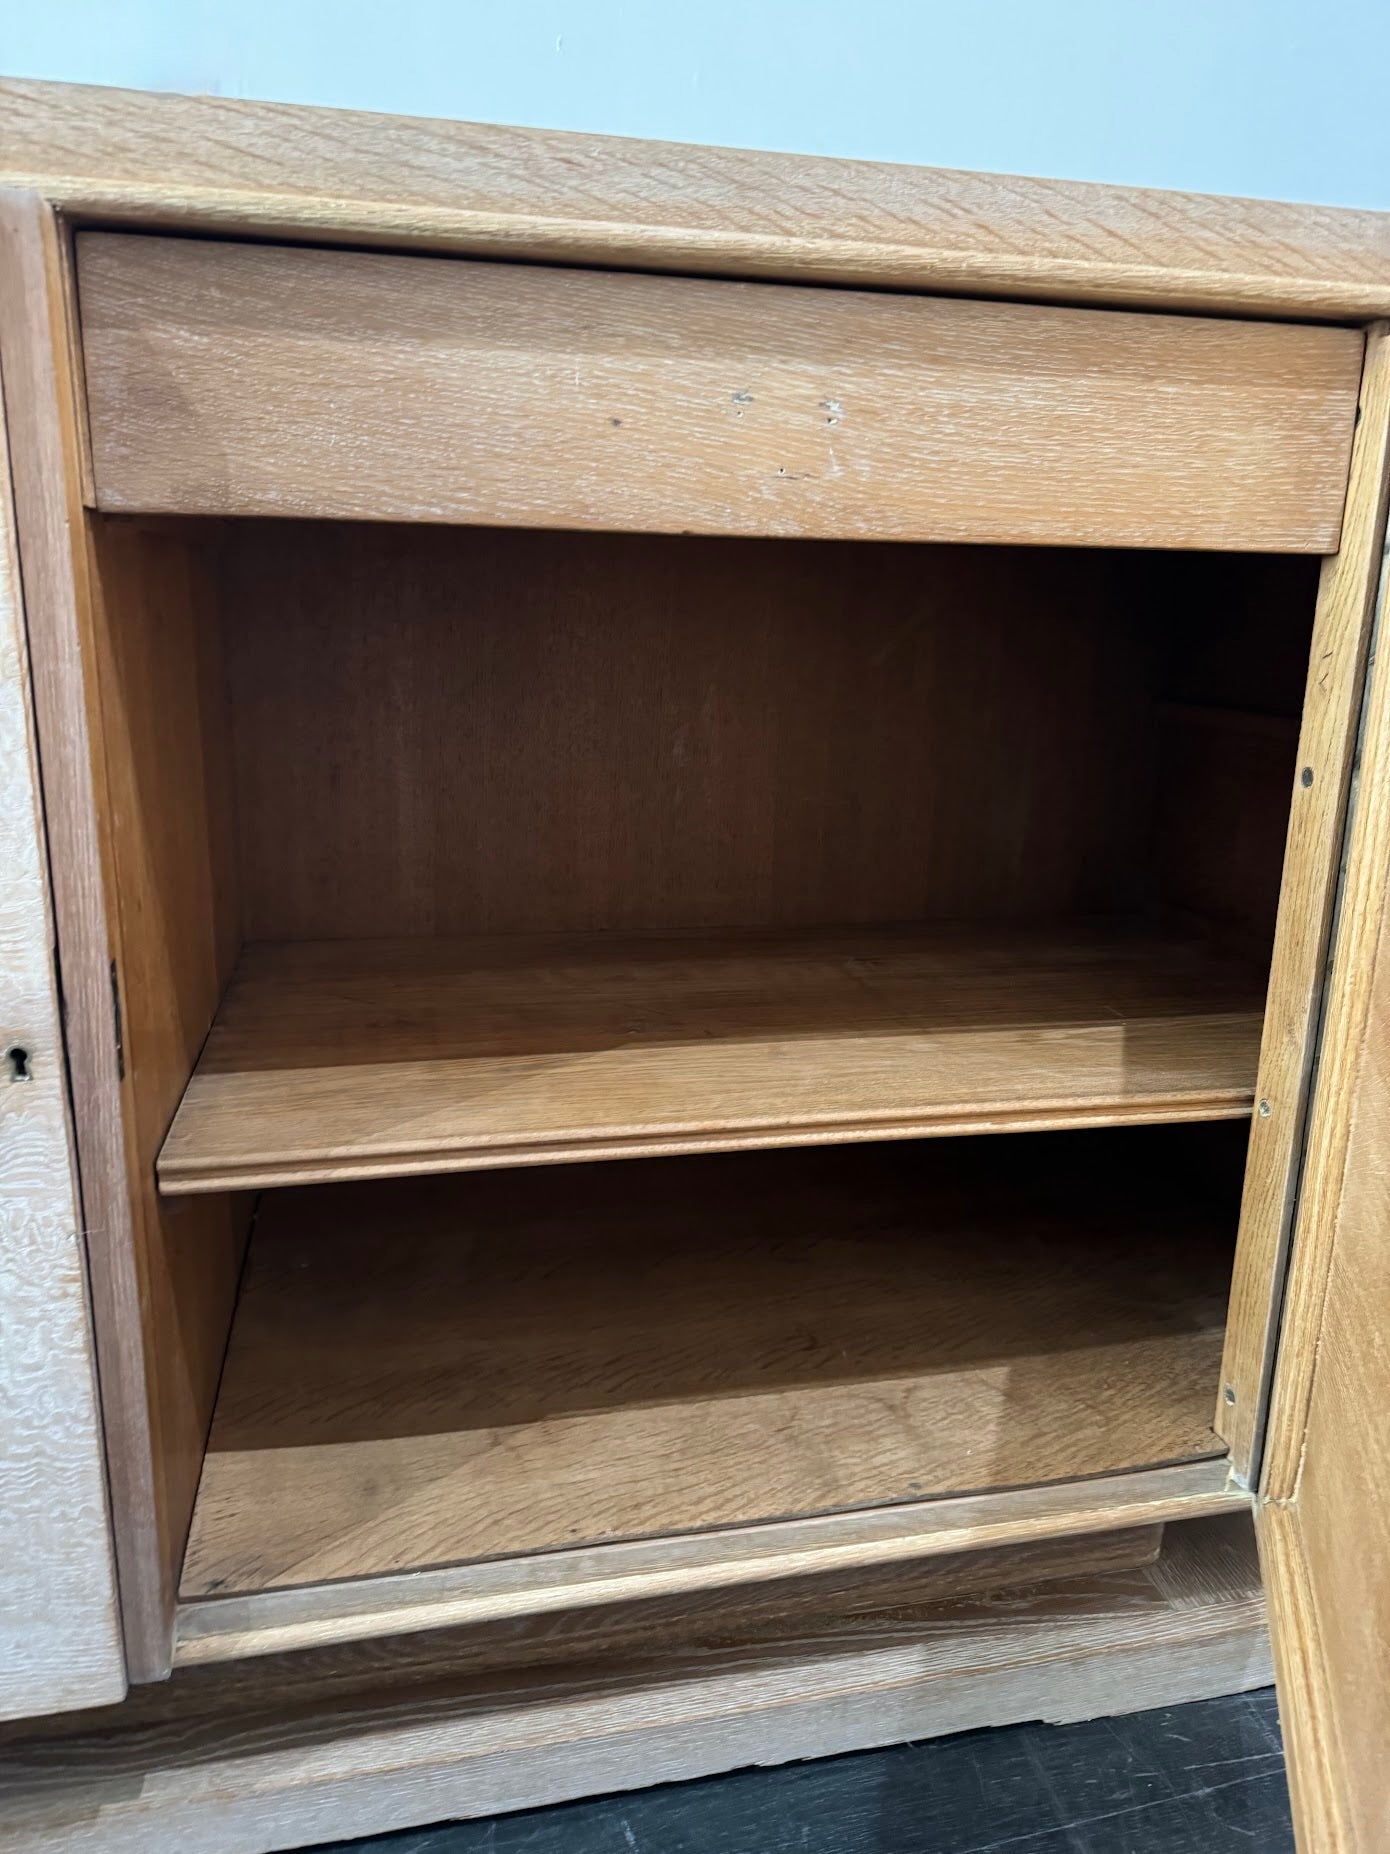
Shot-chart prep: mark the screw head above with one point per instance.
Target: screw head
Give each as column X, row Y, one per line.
column 1229, row 1393
column 1265, row 1110
column 1306, row 776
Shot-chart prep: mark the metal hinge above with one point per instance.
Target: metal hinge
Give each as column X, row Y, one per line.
column 116, row 1023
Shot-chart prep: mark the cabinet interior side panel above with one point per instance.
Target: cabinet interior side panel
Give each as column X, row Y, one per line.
column 455, row 731
column 1233, row 638
column 166, row 743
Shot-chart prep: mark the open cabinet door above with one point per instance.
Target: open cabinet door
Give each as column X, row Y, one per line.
column 1324, row 1512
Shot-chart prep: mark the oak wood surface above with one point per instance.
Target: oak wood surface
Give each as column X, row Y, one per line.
column 59, row 1621
column 60, row 607
column 486, row 730
column 1327, row 748
column 343, row 1059
column 169, row 819
column 239, row 379
column 372, row 1737
column 1336, row 1799
column 726, row 1564
column 265, row 169
column 137, row 782
column 753, row 1611
column 1327, row 1464
column 331, row 1671
column 478, row 731
column 1335, row 1277
column 523, row 1361
column 653, row 1625
column 255, row 168
column 527, row 1611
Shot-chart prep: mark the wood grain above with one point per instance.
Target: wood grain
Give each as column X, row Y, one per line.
column 1335, row 1798
column 169, row 794
column 751, row 1582
column 481, row 731
column 1326, row 751
column 1335, row 1274
column 252, row 380
column 274, row 170
column 251, row 169
column 59, row 604
column 723, row 1616
column 137, row 776
column 525, row 1361
column 58, row 1615
column 731, row 1564
column 310, row 1748
column 351, row 1059
column 1327, row 1463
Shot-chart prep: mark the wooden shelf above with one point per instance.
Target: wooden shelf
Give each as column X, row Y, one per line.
column 537, row 1360
column 353, row 1059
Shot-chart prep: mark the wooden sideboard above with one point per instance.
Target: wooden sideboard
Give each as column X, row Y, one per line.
column 695, row 855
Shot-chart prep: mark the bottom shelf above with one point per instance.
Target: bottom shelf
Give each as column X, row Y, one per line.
column 451, row 1370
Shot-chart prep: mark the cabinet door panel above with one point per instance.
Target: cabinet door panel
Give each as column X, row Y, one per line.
column 1325, row 1511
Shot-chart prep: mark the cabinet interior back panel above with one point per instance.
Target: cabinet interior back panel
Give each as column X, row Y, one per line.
column 470, row 731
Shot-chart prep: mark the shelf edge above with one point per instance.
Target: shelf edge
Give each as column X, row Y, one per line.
column 273, row 1621
column 188, row 1178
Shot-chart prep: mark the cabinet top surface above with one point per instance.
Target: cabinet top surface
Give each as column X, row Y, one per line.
column 307, row 174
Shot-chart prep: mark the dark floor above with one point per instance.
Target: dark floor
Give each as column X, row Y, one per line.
column 1203, row 1779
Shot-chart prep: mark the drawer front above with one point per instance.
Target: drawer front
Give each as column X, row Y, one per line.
column 243, row 380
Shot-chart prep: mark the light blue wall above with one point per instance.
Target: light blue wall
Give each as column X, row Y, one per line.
column 1280, row 98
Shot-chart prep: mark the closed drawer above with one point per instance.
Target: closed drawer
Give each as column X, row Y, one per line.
column 243, row 379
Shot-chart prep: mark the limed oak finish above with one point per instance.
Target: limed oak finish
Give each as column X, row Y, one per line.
column 375, row 1736
column 228, row 379
column 442, row 846
column 353, row 1059
column 737, row 1561
column 148, row 1390
column 1314, row 869
column 59, row 1620
column 269, row 170
column 1325, row 1530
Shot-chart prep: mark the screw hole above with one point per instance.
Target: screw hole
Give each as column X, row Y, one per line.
column 18, row 1058
column 1306, row 776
